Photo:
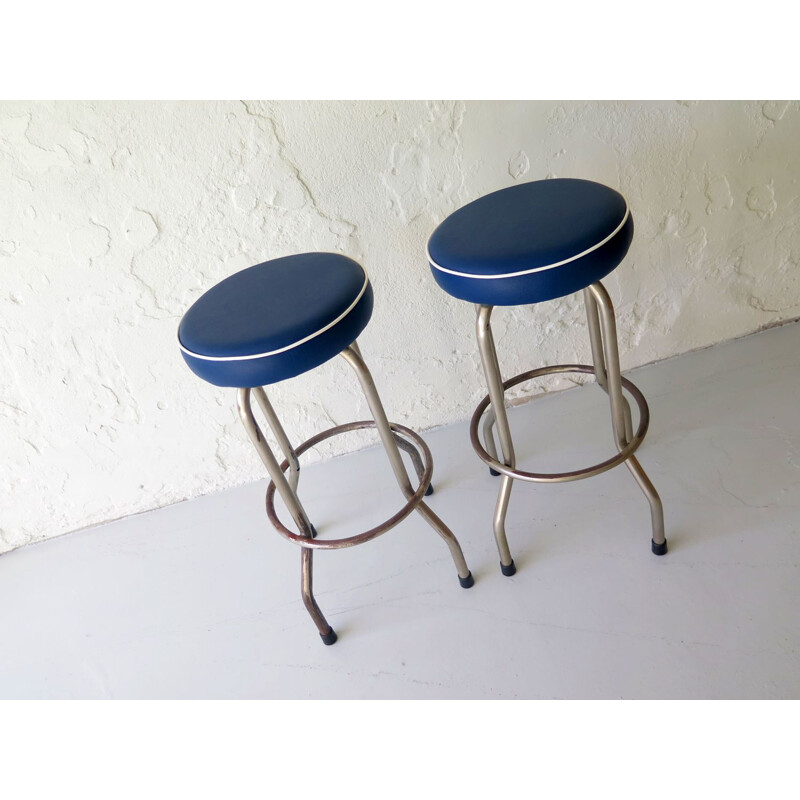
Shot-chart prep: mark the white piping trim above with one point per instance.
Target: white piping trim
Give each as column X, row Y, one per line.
column 535, row 269
column 288, row 346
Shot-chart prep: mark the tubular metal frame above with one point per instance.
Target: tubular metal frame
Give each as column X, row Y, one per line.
column 606, row 369
column 393, row 437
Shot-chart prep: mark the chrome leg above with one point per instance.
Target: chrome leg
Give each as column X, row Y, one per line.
column 620, row 421
column 488, row 438
column 494, row 381
column 286, row 491
column 507, row 565
column 353, row 357
column 416, row 460
column 599, row 360
column 593, row 321
column 326, row 632
column 288, row 495
column 283, row 440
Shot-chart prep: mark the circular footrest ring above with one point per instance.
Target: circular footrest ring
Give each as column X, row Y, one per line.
column 560, row 477
column 350, row 541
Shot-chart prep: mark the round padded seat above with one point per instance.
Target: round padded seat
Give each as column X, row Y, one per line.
column 531, row 242
column 276, row 320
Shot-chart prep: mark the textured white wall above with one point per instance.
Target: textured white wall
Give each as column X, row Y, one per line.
column 115, row 216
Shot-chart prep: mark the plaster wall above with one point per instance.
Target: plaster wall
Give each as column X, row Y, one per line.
column 116, row 216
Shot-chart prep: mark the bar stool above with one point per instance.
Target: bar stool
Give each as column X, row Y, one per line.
column 530, row 243
column 277, row 320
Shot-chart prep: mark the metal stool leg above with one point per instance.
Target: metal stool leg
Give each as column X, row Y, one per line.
column 287, row 493
column 598, row 360
column 353, row 357
column 488, row 439
column 416, row 460
column 620, row 411
column 494, row 381
column 326, row 632
column 283, row 440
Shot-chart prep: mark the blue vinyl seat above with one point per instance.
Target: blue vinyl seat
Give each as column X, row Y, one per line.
column 531, row 242
column 276, row 320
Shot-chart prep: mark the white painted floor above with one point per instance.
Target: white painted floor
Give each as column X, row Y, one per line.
column 159, row 606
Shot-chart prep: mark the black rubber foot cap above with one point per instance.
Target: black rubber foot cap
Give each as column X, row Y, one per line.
column 493, row 472
column 467, row 582
column 329, row 638
column 314, row 536
column 658, row 549
column 509, row 570
column 429, row 490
